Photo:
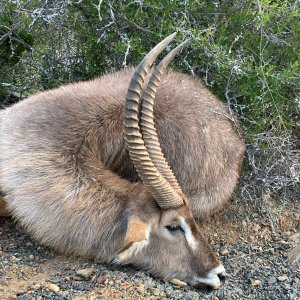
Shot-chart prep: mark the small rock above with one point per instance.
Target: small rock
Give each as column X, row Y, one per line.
column 272, row 280
column 21, row 291
column 155, row 291
column 77, row 278
column 178, row 282
column 223, row 250
column 65, row 293
column 215, row 298
column 80, row 297
column 191, row 296
column 255, row 282
column 251, row 238
column 126, row 285
column 37, row 286
column 282, row 278
column 101, row 279
column 31, row 257
column 256, row 228
column 55, row 280
column 53, row 288
column 141, row 288
column 85, row 273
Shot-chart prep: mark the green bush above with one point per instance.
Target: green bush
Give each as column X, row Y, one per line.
column 247, row 52
column 14, row 42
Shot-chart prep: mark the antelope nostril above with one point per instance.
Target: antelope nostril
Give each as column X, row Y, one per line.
column 222, row 276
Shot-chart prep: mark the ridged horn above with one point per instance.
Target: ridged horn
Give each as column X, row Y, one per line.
column 148, row 129
column 165, row 196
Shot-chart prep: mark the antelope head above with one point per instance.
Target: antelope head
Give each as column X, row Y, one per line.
column 162, row 235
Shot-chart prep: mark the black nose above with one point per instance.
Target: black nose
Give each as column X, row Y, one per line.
column 222, row 276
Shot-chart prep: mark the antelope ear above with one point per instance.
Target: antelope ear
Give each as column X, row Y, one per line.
column 137, row 231
column 136, row 238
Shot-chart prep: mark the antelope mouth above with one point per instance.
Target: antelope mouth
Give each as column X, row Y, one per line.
column 213, row 279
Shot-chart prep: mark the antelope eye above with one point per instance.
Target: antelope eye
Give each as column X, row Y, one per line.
column 174, row 228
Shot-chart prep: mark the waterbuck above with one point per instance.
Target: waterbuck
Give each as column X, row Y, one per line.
column 89, row 177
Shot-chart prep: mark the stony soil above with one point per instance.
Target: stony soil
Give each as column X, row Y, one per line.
column 258, row 244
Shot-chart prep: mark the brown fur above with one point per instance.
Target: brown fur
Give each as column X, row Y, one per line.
column 68, row 178
column 3, row 210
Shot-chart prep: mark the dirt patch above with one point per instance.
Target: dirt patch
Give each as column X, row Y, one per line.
column 236, row 221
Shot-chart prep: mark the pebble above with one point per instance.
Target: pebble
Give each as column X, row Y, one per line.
column 191, row 296
column 255, row 282
column 141, row 288
column 53, row 288
column 282, row 278
column 80, row 297
column 256, row 227
column 65, row 293
column 251, row 238
column 126, row 285
column 21, row 291
column 178, row 282
column 101, row 279
column 37, row 286
column 77, row 278
column 155, row 291
column 272, row 280
column 223, row 250
column 85, row 273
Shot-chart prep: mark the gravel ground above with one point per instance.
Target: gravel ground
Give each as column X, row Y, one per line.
column 258, row 258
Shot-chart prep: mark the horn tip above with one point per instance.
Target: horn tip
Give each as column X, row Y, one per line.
column 170, row 37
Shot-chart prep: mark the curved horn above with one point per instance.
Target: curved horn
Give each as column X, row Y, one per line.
column 159, row 187
column 147, row 119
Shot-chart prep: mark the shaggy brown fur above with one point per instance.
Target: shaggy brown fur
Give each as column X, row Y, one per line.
column 68, row 178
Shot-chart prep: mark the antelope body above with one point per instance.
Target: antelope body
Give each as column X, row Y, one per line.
column 89, row 179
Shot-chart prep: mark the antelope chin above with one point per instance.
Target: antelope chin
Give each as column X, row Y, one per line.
column 212, row 279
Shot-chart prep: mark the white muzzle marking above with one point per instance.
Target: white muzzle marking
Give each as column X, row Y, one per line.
column 212, row 279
